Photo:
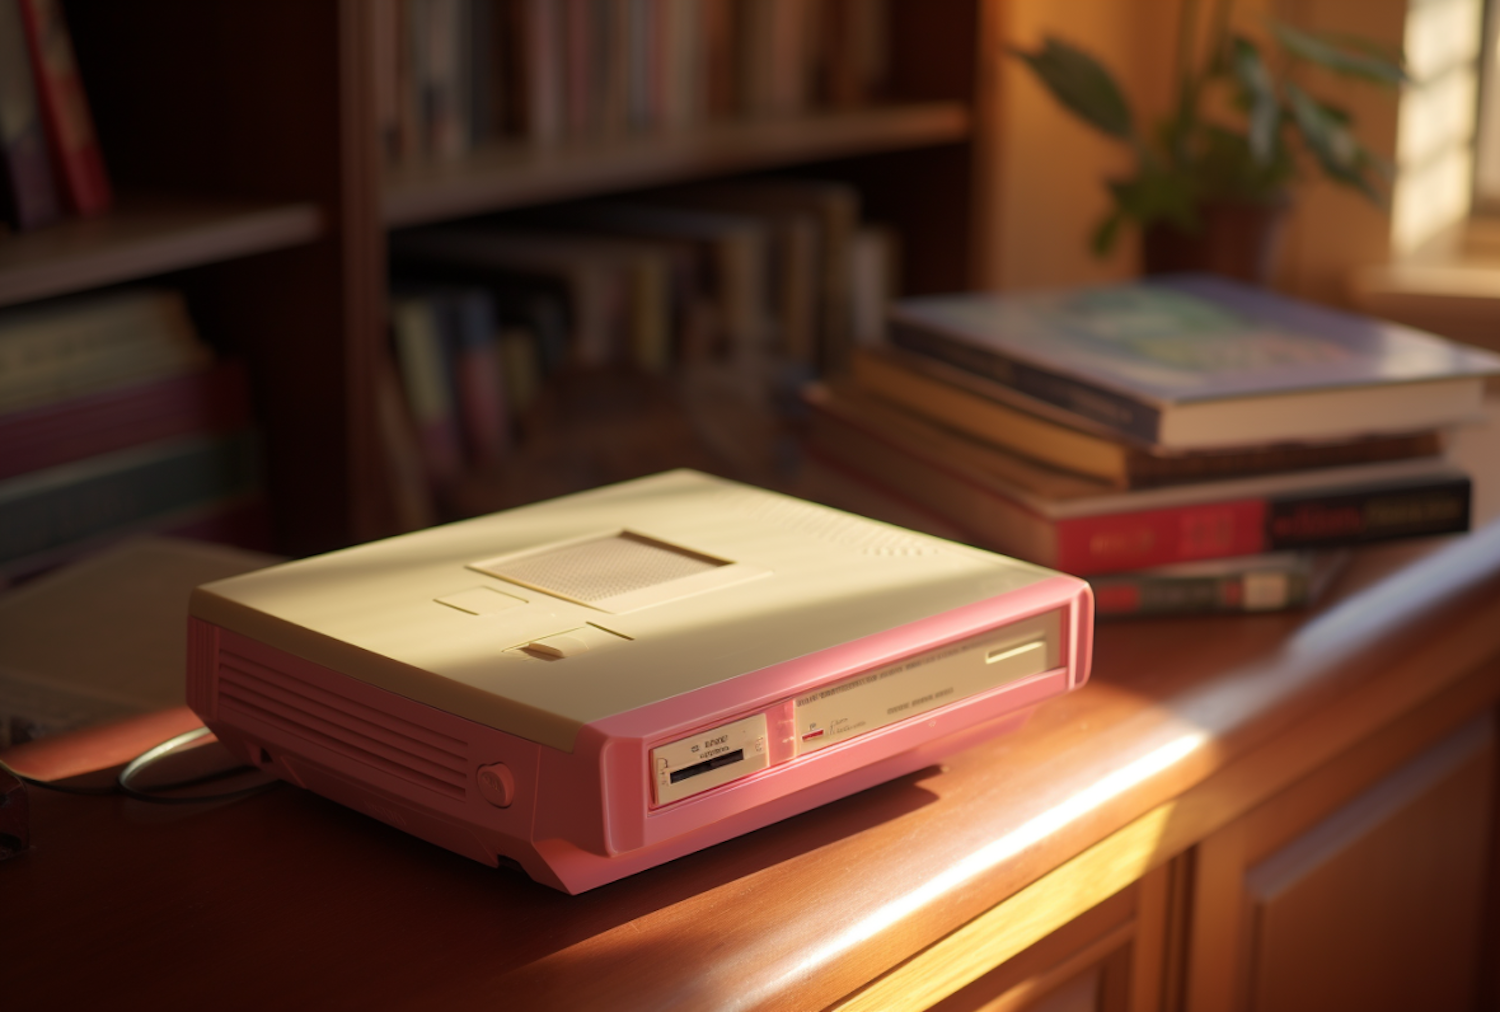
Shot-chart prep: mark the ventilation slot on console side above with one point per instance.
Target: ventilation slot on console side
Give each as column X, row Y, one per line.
column 353, row 730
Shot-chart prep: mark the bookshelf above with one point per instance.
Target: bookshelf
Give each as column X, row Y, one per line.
column 146, row 236
column 520, row 175
column 254, row 129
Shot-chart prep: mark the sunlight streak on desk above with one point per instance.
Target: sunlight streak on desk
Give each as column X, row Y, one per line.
column 1026, row 835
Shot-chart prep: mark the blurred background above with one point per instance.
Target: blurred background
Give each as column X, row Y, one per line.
column 404, row 261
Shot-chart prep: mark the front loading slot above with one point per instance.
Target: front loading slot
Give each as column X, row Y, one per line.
column 708, row 765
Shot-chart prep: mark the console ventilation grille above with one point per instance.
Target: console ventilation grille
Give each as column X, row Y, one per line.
column 354, row 730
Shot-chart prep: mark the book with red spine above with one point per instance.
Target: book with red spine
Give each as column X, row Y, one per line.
column 1090, row 530
column 28, row 195
column 213, row 399
column 71, row 138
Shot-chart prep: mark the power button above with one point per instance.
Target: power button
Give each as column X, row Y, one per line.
column 497, row 784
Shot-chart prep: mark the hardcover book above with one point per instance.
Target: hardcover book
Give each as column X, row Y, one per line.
column 65, row 348
column 1196, row 362
column 1275, row 581
column 998, row 415
column 215, row 398
column 65, row 108
column 115, row 493
column 1081, row 528
column 28, row 196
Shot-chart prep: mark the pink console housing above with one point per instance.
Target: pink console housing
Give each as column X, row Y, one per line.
column 577, row 819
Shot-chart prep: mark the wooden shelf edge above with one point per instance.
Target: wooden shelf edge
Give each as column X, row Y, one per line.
column 513, row 176
column 143, row 237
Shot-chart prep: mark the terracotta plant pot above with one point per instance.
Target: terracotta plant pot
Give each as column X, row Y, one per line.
column 1238, row 239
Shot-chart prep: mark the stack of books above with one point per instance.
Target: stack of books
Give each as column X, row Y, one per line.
column 1188, row 444
column 115, row 419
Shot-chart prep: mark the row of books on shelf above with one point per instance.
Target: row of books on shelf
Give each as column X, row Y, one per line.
column 774, row 280
column 50, row 164
column 1186, row 444
column 116, row 419
column 452, row 75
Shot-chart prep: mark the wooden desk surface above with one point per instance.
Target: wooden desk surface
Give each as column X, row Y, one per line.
column 285, row 898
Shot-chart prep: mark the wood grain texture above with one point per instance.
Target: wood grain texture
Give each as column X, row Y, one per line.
column 267, row 102
column 798, row 915
column 808, row 912
column 510, row 176
column 1378, row 906
column 1343, row 893
column 1082, row 948
column 143, row 236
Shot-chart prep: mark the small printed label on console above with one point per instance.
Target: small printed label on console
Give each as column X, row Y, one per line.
column 918, row 684
column 690, row 766
column 859, row 703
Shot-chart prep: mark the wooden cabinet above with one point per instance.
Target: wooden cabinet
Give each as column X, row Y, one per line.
column 1363, row 886
column 1326, row 899
column 1091, row 965
column 243, row 141
column 1266, row 812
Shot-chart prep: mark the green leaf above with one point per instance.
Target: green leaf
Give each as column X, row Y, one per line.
column 1082, row 85
column 1226, row 170
column 1340, row 55
column 1263, row 106
column 1106, row 233
column 1158, row 196
column 1326, row 133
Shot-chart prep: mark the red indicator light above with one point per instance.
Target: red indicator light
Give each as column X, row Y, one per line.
column 815, row 734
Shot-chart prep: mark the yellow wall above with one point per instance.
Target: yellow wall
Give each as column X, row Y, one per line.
column 1050, row 168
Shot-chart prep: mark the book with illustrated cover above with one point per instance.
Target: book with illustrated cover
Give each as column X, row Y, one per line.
column 1013, row 506
column 1198, row 362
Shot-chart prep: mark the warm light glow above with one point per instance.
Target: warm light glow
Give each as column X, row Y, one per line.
column 992, row 854
column 1489, row 127
column 1441, row 34
column 1437, row 115
column 1434, row 148
column 1431, row 197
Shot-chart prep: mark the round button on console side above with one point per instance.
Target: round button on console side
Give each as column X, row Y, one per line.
column 497, row 784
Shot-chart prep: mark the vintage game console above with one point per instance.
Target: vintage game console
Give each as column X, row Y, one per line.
column 591, row 686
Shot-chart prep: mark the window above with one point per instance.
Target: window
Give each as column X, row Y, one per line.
column 1487, row 143
column 1435, row 146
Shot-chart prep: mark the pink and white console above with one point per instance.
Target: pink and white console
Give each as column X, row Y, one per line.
column 591, row 686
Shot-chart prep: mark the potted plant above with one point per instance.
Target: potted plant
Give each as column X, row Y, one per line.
column 1211, row 180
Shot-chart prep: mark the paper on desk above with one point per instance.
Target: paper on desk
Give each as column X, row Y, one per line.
column 105, row 637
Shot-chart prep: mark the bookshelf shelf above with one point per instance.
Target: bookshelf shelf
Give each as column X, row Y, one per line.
column 279, row 112
column 510, row 176
column 144, row 236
